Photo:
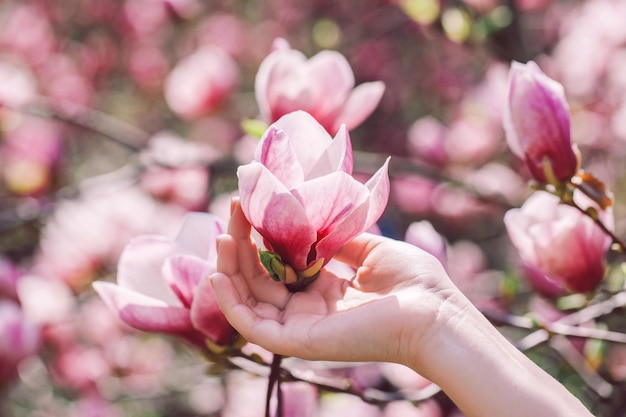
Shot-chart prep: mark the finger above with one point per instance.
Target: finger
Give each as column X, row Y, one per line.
column 239, row 228
column 356, row 251
column 258, row 286
column 265, row 332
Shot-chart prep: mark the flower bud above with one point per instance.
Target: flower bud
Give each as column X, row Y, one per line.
column 537, row 125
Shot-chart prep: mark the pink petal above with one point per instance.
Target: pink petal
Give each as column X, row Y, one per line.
column 328, row 200
column 360, row 104
column 143, row 312
column 287, row 85
column 276, row 154
column 336, row 157
column 307, row 137
column 378, row 185
column 197, row 234
column 361, row 218
column 183, row 273
column 330, row 73
column 207, row 317
column 140, row 264
column 275, row 214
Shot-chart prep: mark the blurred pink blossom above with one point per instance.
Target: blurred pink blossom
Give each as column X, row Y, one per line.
column 537, row 124
column 566, row 245
column 88, row 233
column 323, row 86
column 426, row 140
column 162, row 284
column 9, row 275
column 29, row 155
column 19, row 338
column 200, row 82
column 300, row 195
column 423, row 235
column 19, row 86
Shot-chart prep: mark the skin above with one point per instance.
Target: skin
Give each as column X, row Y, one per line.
column 401, row 307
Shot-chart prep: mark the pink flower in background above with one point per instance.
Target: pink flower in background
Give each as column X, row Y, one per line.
column 322, row 86
column 537, row 124
column 423, row 235
column 19, row 338
column 201, row 82
column 559, row 241
column 299, row 193
column 162, row 284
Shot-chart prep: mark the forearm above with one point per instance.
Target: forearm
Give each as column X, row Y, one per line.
column 484, row 374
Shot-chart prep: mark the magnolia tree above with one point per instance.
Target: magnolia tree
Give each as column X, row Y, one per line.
column 488, row 133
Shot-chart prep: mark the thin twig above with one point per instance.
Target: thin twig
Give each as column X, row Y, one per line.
column 586, row 314
column 338, row 385
column 108, row 126
column 555, row 328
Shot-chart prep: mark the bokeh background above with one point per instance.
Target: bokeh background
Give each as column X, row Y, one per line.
column 108, row 130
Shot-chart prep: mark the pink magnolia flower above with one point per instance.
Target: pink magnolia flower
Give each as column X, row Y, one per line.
column 19, row 338
column 559, row 241
column 201, row 82
column 162, row 284
column 299, row 193
column 322, row 86
column 537, row 124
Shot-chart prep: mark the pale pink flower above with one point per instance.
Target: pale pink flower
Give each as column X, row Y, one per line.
column 423, row 235
column 163, row 286
column 300, row 195
column 201, row 82
column 537, row 124
column 560, row 241
column 19, row 338
column 322, row 86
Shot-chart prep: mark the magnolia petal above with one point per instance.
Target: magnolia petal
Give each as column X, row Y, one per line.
column 276, row 214
column 378, row 186
column 289, row 87
column 330, row 73
column 275, row 152
column 351, row 226
column 143, row 312
column 308, row 138
column 271, row 70
column 362, row 101
column 207, row 317
column 539, row 122
column 197, row 234
column 328, row 200
column 140, row 264
column 183, row 273
column 336, row 157
column 361, row 218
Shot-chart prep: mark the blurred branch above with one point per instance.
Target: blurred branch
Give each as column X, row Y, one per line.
column 584, row 315
column 593, row 215
column 108, row 126
column 370, row 162
column 580, row 364
column 329, row 384
column 554, row 328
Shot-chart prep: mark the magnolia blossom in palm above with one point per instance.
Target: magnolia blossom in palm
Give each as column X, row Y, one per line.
column 322, row 86
column 560, row 242
column 300, row 196
column 163, row 286
column 537, row 124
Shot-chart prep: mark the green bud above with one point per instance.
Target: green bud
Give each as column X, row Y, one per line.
column 272, row 263
column 254, row 127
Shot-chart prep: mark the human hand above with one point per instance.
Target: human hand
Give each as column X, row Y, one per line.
column 382, row 313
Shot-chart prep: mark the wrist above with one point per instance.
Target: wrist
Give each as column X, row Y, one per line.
column 481, row 371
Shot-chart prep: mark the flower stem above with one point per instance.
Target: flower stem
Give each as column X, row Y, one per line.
column 274, row 380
